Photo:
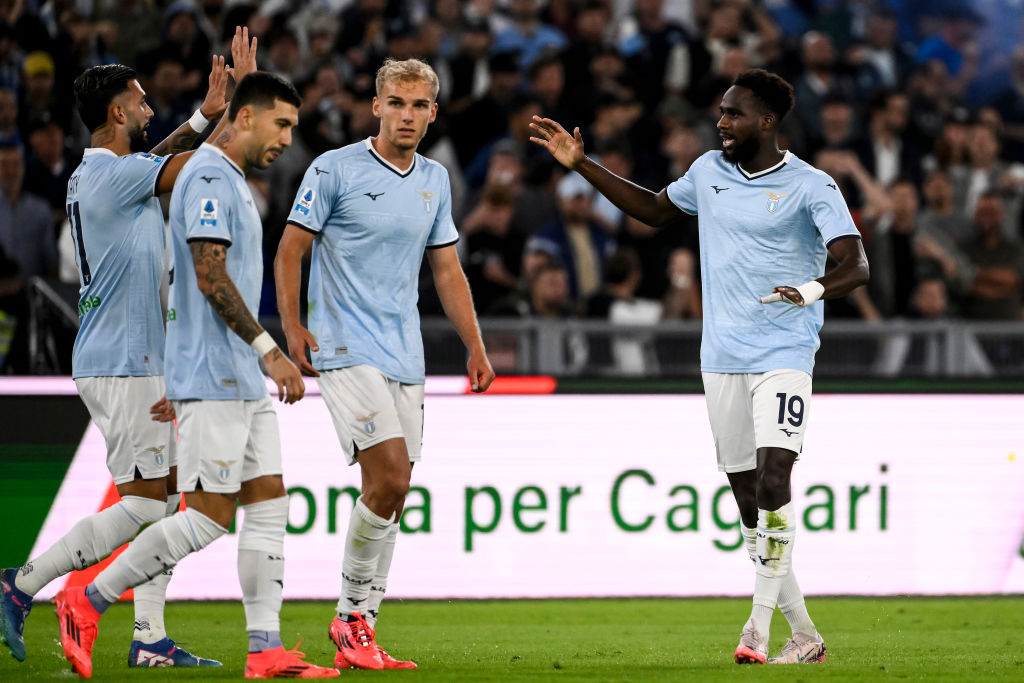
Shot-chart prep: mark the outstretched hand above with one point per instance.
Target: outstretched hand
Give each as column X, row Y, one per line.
column 243, row 54
column 566, row 149
column 215, row 103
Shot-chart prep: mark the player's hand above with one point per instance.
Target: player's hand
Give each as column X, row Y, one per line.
column 481, row 374
column 162, row 410
column 214, row 105
column 566, row 149
column 290, row 386
column 243, row 54
column 299, row 338
column 786, row 294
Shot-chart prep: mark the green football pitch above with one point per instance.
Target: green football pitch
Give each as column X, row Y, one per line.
column 964, row 639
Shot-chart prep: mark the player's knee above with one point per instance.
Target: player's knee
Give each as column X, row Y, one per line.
column 143, row 511
column 772, row 489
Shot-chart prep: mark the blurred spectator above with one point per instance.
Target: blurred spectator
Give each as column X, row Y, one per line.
column 492, row 252
column 882, row 151
column 547, row 81
column 10, row 58
column 662, row 59
column 284, row 54
column 881, row 61
column 575, row 238
column 591, row 37
column 930, row 300
column 940, row 230
column 543, row 291
column 465, row 75
column 534, row 207
column 819, row 79
column 527, row 35
column 165, row 96
column 49, row 166
column 9, row 133
column 951, row 145
column 931, row 106
column 518, row 114
column 26, row 223
column 39, row 98
column 837, row 125
column 986, row 172
column 1009, row 102
column 996, row 290
column 486, row 119
column 867, row 199
column 682, row 299
column 954, row 46
column 891, row 250
column 180, row 37
column 127, row 27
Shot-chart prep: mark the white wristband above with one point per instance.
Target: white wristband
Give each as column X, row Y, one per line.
column 263, row 344
column 198, row 121
column 811, row 291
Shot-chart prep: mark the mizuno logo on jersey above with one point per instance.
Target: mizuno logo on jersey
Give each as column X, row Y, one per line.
column 787, row 432
column 832, row 185
column 372, row 195
column 773, row 200
column 718, row 189
column 209, row 180
column 306, row 198
column 320, row 170
column 208, row 212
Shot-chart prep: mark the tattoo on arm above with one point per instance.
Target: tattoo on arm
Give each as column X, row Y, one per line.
column 210, row 261
column 224, row 138
column 181, row 140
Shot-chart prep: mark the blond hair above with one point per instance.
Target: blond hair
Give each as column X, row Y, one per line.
column 407, row 71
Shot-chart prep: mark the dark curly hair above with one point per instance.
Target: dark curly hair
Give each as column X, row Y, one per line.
column 771, row 89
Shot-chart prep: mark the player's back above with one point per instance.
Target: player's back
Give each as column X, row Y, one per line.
column 373, row 222
column 759, row 231
column 117, row 227
column 205, row 358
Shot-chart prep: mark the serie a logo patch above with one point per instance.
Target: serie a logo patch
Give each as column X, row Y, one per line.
column 208, row 212
column 306, row 198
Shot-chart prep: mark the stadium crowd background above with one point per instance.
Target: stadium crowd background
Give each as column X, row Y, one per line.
column 915, row 107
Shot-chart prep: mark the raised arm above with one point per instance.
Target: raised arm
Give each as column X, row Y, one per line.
column 640, row 203
column 210, row 260
column 457, row 302
column 295, row 243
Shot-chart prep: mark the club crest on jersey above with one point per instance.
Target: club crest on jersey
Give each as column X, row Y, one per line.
column 305, row 201
column 208, row 212
column 427, row 196
column 773, row 200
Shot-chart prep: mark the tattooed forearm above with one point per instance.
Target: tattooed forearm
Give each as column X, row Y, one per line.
column 216, row 285
column 180, row 140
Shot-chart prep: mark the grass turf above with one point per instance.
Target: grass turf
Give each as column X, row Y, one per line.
column 574, row 640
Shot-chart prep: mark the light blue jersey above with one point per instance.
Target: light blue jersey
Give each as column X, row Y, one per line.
column 760, row 231
column 118, row 230
column 372, row 223
column 205, row 358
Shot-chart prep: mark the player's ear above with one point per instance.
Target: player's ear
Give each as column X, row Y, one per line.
column 767, row 120
column 376, row 107
column 433, row 112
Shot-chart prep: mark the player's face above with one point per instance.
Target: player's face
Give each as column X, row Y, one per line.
column 740, row 125
column 137, row 114
column 272, row 133
column 405, row 109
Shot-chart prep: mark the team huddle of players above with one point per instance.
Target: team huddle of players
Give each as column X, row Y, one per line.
column 203, row 374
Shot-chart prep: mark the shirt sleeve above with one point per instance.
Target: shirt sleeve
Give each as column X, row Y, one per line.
column 683, row 191
column 829, row 212
column 137, row 177
column 316, row 196
column 208, row 207
column 443, row 232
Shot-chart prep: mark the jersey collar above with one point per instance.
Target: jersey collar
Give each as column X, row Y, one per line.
column 218, row 150
column 98, row 150
column 387, row 164
column 751, row 176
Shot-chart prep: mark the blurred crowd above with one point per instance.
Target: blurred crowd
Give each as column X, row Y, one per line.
column 915, row 107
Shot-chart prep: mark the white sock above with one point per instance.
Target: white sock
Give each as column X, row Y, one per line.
column 380, row 579
column 749, row 541
column 776, row 530
column 156, row 550
column 89, row 541
column 150, row 597
column 261, row 563
column 791, row 602
column 367, row 534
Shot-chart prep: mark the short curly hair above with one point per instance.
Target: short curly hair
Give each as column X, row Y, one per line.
column 771, row 89
column 407, row 71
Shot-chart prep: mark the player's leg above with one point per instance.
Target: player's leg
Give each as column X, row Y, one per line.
column 136, row 459
column 210, row 488
column 264, row 504
column 730, row 412
column 781, row 411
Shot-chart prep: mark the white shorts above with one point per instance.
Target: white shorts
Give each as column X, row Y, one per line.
column 747, row 412
column 120, row 408
column 368, row 408
column 224, row 443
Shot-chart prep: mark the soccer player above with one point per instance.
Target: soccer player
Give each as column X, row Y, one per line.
column 229, row 448
column 370, row 210
column 765, row 217
column 118, row 230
